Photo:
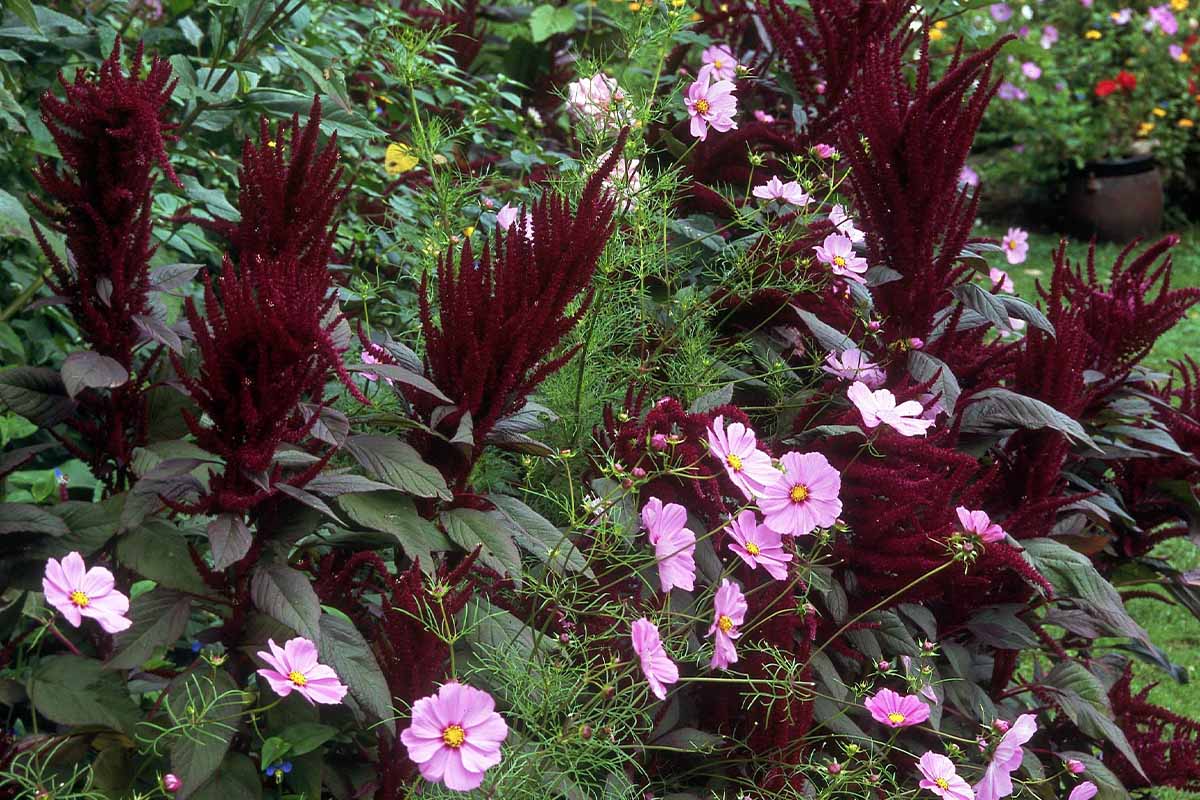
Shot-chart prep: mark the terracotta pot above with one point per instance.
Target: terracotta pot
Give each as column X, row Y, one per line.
column 1117, row 200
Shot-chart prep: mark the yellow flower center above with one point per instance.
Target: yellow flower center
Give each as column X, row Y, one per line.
column 1012, row 244
column 799, row 493
column 734, row 461
column 896, row 718
column 839, row 260
column 724, row 623
column 297, row 678
column 717, row 63
column 702, row 106
column 454, row 736
column 942, row 783
column 1093, row 34
column 752, row 548
column 80, row 599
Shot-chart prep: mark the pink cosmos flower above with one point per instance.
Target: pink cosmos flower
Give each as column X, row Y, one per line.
column 1121, row 17
column 763, row 116
column 896, row 710
column 999, row 276
column 1016, row 245
column 789, row 192
column 980, row 524
column 880, row 406
column 838, row 252
column 659, row 669
column 674, row 544
column 78, row 592
column 968, row 177
column 1086, row 3
column 597, row 99
column 171, row 782
column 1000, row 12
column 623, row 183
column 710, row 105
column 853, row 365
column 997, row 779
column 748, row 467
column 942, row 779
column 1010, row 91
column 294, row 668
column 455, row 736
column 758, row 545
column 729, row 611
column 1176, row 52
column 721, row 60
column 1049, row 37
column 1164, row 19
column 367, row 358
column 1031, row 70
column 507, row 215
column 805, row 497
column 1084, row 791
column 844, row 224
column 1075, row 766
column 825, row 150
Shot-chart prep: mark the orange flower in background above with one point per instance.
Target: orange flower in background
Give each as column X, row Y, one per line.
column 1105, row 87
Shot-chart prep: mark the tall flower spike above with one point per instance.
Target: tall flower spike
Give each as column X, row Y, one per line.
column 500, row 317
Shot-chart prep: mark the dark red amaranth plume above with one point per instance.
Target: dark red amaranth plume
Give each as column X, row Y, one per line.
column 111, row 130
column 1167, row 744
column 500, row 317
column 906, row 146
column 265, row 345
column 823, row 47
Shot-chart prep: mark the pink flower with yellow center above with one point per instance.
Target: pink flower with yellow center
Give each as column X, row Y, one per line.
column 805, row 497
column 710, row 105
column 896, row 710
column 940, row 777
column 674, row 544
column 1015, row 245
column 294, row 668
column 758, row 545
column 455, row 736
column 1006, row 759
column 729, row 612
column 838, row 252
column 77, row 592
column 721, row 60
column 979, row 524
column 854, row 365
column 879, row 406
column 736, row 447
column 659, row 669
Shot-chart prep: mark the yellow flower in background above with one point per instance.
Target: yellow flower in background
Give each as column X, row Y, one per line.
column 1179, row 5
column 635, row 6
column 467, row 231
column 935, row 35
column 941, row 24
column 1159, row 112
column 1145, row 128
column 1093, row 34
column 678, row 3
column 696, row 16
column 399, row 159
column 1186, row 123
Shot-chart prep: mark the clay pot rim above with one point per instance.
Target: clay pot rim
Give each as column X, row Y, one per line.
column 1119, row 167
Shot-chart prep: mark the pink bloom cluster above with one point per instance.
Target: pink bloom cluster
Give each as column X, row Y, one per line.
column 710, row 104
column 455, row 736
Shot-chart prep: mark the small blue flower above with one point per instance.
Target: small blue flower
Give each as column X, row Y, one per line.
column 278, row 770
column 197, row 646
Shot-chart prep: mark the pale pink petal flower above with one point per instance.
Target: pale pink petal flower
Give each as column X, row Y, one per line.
column 775, row 189
column 710, row 105
column 294, row 668
column 896, row 710
column 980, row 524
column 825, row 150
column 968, row 177
column 736, row 447
column 455, row 736
column 845, row 224
column 1016, row 245
column 659, row 669
column 368, row 358
column 933, row 405
column 729, row 612
column 997, row 778
column 854, row 365
column 805, row 497
column 763, row 116
column 758, row 545
column 1075, row 766
column 941, row 778
column 674, row 544
column 1084, row 791
column 597, row 100
column 77, row 592
column 879, row 406
column 721, row 61
column 838, row 252
column 1031, row 70
column 999, row 276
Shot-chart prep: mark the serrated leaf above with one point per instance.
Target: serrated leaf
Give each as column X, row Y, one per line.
column 229, row 540
column 344, row 648
column 85, row 369
column 73, row 690
column 399, row 464
column 159, row 618
column 286, row 596
column 469, row 529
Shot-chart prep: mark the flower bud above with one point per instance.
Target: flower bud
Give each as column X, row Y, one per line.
column 171, row 782
column 1075, row 766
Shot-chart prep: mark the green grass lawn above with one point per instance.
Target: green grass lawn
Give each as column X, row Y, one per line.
column 1171, row 627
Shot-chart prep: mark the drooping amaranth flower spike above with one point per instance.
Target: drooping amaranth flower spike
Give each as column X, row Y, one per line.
column 455, row 736
column 294, row 668
column 674, row 544
column 659, row 669
column 78, row 592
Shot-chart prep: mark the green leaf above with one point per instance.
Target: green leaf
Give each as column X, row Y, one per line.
column 397, row 463
column 72, row 690
column 999, row 626
column 533, row 532
column 26, row 518
column 159, row 618
column 344, row 648
column 237, row 779
column 1082, row 697
column 547, row 20
column 285, row 595
column 158, row 551
column 1110, row 785
column 305, row 737
column 273, row 749
column 14, row 219
column 828, row 337
column 984, row 303
column 469, row 529
column 229, row 540
column 395, row 514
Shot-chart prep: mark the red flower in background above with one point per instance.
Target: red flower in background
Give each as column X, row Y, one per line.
column 1127, row 80
column 1105, row 87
